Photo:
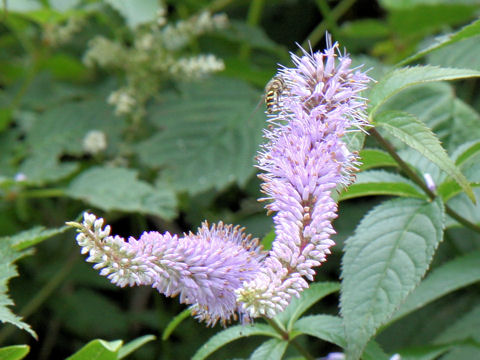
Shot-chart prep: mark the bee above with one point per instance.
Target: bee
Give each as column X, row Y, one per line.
column 273, row 91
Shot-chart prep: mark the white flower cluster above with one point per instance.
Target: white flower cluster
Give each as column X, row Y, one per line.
column 176, row 36
column 158, row 52
column 59, row 34
column 94, row 142
column 197, row 66
column 123, row 101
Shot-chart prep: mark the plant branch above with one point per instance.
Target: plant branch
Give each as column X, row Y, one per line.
column 419, row 181
column 286, row 336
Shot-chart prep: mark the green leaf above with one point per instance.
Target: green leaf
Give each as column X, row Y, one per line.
column 8, row 270
column 60, row 130
column 400, row 79
column 330, row 328
column 463, row 329
column 172, row 325
column 271, row 349
column 373, row 158
column 28, row 238
column 378, row 182
column 466, row 32
column 415, row 134
column 14, row 352
column 133, row 345
column 326, row 327
column 464, row 125
column 208, row 135
column 98, row 350
column 110, row 188
column 233, row 333
column 384, row 261
column 309, row 297
column 428, row 352
column 463, row 352
column 136, row 12
column 454, row 275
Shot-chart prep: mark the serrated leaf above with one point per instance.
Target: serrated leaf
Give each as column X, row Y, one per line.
column 463, row 352
column 454, row 275
column 33, row 236
column 309, row 297
column 98, row 350
column 233, row 333
column 8, row 270
column 384, row 261
column 415, row 134
column 14, row 352
column 464, row 125
column 466, row 32
column 377, row 182
column 373, row 158
column 272, row 349
column 120, row 189
column 172, row 325
column 60, row 130
column 133, row 345
column 400, row 79
column 136, row 12
column 207, row 137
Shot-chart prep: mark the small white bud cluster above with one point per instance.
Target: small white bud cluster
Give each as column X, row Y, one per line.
column 59, row 34
column 123, row 101
column 94, row 142
column 197, row 66
column 176, row 36
column 103, row 52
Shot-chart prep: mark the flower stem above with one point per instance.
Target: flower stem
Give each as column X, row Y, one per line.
column 416, row 178
column 286, row 336
column 314, row 37
column 253, row 18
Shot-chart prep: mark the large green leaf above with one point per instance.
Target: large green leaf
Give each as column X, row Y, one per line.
column 466, row 32
column 454, row 275
column 60, row 131
column 98, row 350
column 271, row 349
column 384, row 261
column 208, row 135
column 330, row 328
column 111, row 188
column 400, row 79
column 310, row 296
column 14, row 352
column 233, row 333
column 415, row 134
column 136, row 12
column 378, row 182
column 428, row 352
column 8, row 270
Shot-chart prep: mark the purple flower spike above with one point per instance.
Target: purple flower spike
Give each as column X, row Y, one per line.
column 303, row 161
column 203, row 269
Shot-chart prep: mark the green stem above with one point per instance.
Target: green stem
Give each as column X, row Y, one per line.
column 41, row 296
column 314, row 37
column 285, row 336
column 41, row 193
column 253, row 19
column 327, row 16
column 419, row 181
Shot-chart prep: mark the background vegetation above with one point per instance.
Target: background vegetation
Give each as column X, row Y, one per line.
column 175, row 144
